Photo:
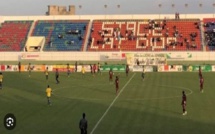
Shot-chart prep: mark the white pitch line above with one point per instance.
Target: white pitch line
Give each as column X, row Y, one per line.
column 111, row 105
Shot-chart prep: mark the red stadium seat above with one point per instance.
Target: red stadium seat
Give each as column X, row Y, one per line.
column 145, row 35
column 13, row 35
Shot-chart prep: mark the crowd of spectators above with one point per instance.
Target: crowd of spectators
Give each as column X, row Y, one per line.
column 161, row 27
column 210, row 34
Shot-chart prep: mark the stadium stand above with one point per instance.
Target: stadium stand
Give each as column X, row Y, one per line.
column 209, row 33
column 61, row 35
column 13, row 35
column 145, row 35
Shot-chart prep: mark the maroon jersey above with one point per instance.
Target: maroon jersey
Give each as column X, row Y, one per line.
column 184, row 99
column 117, row 83
column 91, row 69
column 94, row 68
column 127, row 69
column 201, row 80
column 110, row 74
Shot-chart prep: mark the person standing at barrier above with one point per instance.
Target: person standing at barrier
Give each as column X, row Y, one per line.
column 1, row 80
column 94, row 69
column 83, row 124
column 91, row 69
column 184, row 103
column 29, row 69
column 19, row 66
column 98, row 68
column 68, row 70
column 76, row 66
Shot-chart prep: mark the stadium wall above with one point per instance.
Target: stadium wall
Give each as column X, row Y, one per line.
column 96, row 56
column 102, row 56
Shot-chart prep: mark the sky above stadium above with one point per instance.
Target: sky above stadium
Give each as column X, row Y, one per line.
column 39, row 7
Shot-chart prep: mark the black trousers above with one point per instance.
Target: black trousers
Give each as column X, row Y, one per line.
column 83, row 131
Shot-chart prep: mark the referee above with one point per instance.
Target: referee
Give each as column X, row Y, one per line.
column 83, row 125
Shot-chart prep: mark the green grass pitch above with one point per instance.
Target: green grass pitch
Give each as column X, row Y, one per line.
column 152, row 106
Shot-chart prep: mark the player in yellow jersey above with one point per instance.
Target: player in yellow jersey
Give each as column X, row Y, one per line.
column 47, row 73
column 1, row 79
column 48, row 94
column 83, row 71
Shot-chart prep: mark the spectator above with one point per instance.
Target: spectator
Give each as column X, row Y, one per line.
column 92, row 29
column 19, row 66
column 26, row 50
column 60, row 36
column 137, row 61
column 69, row 32
column 76, row 66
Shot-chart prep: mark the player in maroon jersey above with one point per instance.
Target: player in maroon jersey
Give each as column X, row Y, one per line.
column 184, row 102
column 201, row 81
column 110, row 75
column 117, row 84
column 127, row 70
column 200, row 72
column 94, row 69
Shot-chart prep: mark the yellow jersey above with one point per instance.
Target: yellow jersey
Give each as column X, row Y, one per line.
column 1, row 78
column 48, row 92
column 46, row 72
column 29, row 67
column 83, row 70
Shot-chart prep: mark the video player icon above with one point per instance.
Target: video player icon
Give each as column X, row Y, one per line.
column 9, row 121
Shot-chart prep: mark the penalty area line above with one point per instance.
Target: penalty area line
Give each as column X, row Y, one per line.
column 105, row 113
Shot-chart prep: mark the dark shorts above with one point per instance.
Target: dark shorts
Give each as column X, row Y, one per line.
column 143, row 75
column 83, row 131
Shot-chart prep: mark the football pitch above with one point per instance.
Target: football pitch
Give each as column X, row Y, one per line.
column 152, row 106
